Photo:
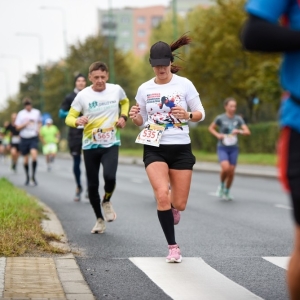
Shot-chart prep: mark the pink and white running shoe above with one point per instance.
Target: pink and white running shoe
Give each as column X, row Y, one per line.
column 174, row 254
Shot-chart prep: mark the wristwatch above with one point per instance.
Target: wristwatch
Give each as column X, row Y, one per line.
column 190, row 116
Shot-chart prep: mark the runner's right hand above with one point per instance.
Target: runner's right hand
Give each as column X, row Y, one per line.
column 134, row 110
column 83, row 120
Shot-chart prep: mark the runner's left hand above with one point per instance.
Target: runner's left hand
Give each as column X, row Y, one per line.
column 179, row 112
column 121, row 123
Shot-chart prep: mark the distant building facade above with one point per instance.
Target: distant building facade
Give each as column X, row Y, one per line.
column 131, row 27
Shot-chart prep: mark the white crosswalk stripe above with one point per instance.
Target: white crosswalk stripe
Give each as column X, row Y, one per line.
column 192, row 279
column 281, row 262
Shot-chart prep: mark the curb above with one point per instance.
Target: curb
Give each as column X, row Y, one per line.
column 70, row 276
column 242, row 170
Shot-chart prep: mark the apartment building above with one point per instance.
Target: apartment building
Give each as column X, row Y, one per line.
column 131, row 27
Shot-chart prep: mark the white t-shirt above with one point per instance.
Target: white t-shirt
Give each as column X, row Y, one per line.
column 32, row 129
column 156, row 100
column 102, row 110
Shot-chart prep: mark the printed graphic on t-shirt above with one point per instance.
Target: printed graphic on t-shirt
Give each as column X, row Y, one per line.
column 96, row 106
column 159, row 109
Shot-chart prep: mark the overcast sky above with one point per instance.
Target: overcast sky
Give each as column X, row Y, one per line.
column 25, row 28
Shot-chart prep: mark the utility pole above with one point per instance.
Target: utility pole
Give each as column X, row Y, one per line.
column 111, row 45
column 175, row 31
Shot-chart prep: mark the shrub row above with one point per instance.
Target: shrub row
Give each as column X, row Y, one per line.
column 263, row 138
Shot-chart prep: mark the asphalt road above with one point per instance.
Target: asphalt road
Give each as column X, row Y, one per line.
column 224, row 244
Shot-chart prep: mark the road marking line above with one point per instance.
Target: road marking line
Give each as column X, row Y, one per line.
column 281, row 262
column 2, row 273
column 282, row 206
column 212, row 194
column 192, row 279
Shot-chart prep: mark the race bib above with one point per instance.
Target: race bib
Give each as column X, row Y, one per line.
column 104, row 136
column 150, row 135
column 15, row 140
column 229, row 139
column 32, row 128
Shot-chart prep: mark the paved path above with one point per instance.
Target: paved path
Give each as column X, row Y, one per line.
column 60, row 277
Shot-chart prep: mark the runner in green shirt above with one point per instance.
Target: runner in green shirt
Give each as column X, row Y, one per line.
column 49, row 136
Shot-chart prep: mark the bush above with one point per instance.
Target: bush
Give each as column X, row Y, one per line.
column 263, row 139
column 128, row 136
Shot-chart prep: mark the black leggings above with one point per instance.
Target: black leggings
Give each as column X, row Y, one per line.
column 293, row 172
column 108, row 157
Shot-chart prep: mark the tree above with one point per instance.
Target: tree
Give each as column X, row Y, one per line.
column 81, row 56
column 218, row 65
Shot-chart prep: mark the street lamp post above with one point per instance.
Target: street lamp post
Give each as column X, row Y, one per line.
column 111, row 45
column 41, row 65
column 174, row 6
column 64, row 25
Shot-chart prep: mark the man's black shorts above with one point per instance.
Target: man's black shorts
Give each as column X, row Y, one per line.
column 75, row 149
column 27, row 144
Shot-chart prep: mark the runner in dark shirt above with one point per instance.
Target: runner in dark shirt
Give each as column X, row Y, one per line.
column 75, row 134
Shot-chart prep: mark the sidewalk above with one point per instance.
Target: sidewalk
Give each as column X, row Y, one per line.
column 59, row 277
column 246, row 170
column 56, row 277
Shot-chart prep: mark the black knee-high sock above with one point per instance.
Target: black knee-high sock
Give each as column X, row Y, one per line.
column 166, row 220
column 34, row 164
column 107, row 195
column 26, row 172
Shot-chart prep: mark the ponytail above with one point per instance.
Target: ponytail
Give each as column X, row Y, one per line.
column 182, row 41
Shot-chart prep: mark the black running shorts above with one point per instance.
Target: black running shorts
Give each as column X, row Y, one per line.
column 289, row 166
column 17, row 146
column 177, row 157
column 75, row 149
column 27, row 144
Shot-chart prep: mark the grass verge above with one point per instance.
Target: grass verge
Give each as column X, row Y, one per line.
column 20, row 223
column 244, row 158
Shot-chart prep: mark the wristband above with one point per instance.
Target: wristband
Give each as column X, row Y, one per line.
column 124, row 117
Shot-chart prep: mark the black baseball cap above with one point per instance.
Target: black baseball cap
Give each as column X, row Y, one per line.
column 160, row 54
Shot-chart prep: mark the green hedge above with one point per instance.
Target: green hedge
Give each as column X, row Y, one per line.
column 128, row 136
column 263, row 138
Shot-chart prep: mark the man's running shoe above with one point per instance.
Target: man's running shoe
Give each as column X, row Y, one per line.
column 34, row 182
column 176, row 215
column 77, row 194
column 99, row 226
column 108, row 211
column 220, row 192
column 174, row 254
column 227, row 196
column 14, row 167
